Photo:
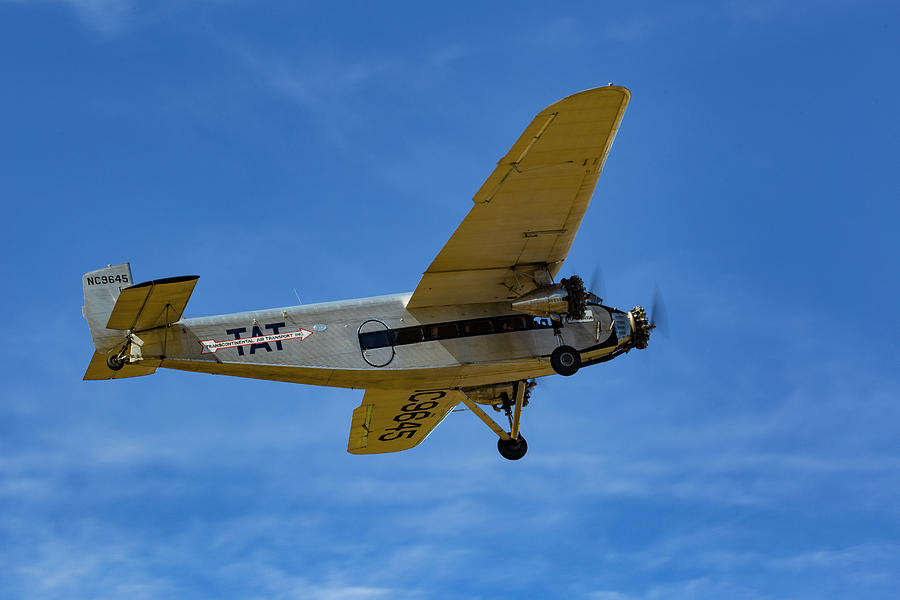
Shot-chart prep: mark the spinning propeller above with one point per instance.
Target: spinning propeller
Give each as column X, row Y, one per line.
column 598, row 287
column 658, row 318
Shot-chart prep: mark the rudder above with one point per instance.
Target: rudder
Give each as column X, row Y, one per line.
column 101, row 290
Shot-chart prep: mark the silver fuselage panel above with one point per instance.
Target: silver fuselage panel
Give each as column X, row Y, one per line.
column 319, row 344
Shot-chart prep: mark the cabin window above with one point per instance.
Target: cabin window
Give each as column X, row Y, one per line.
column 376, row 339
column 450, row 330
column 441, row 331
column 482, row 327
column 446, row 331
column 410, row 335
column 507, row 324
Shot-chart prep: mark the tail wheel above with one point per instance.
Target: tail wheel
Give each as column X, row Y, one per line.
column 512, row 449
column 565, row 360
column 115, row 362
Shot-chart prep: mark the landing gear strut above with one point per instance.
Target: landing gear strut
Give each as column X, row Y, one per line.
column 512, row 445
column 513, row 448
column 129, row 353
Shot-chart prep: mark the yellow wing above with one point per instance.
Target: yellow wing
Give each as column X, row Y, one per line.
column 527, row 212
column 394, row 420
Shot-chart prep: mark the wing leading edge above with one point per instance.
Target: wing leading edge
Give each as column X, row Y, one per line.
column 528, row 210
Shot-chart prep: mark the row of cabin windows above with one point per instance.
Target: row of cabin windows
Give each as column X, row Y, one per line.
column 448, row 331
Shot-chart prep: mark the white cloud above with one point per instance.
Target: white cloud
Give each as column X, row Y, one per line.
column 446, row 55
column 792, row 11
column 317, row 81
column 104, row 16
column 609, row 595
column 639, row 26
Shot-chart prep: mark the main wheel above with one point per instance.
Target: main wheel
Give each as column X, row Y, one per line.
column 513, row 449
column 114, row 362
column 565, row 360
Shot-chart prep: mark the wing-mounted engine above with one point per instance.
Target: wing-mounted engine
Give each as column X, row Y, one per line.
column 567, row 298
column 499, row 395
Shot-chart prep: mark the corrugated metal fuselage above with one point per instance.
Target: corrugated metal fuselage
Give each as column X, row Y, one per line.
column 319, row 344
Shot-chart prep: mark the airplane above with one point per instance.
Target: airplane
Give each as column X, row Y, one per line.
column 487, row 318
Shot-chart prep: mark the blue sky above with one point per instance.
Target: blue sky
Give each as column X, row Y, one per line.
column 269, row 146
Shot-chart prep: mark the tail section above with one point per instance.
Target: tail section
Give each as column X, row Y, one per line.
column 117, row 311
column 101, row 290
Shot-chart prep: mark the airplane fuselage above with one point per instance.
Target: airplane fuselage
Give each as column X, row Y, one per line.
column 377, row 343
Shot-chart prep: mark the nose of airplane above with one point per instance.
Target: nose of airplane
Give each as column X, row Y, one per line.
column 640, row 327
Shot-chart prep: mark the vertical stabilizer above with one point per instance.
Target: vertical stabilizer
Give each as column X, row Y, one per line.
column 101, row 289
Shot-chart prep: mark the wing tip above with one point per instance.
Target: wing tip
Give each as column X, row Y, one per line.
column 605, row 90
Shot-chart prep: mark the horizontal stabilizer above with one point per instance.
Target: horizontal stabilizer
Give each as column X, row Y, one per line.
column 152, row 304
column 395, row 420
column 98, row 369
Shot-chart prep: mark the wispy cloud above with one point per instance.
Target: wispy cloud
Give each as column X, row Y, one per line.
column 446, row 55
column 323, row 85
column 767, row 11
column 639, row 26
column 106, row 17
column 609, row 595
column 716, row 553
column 317, row 81
column 335, row 93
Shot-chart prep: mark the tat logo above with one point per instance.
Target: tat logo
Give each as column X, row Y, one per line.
column 257, row 340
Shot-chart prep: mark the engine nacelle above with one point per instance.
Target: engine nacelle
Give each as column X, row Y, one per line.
column 565, row 298
column 544, row 302
column 493, row 394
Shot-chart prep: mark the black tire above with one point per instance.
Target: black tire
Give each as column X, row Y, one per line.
column 513, row 449
column 114, row 362
column 565, row 360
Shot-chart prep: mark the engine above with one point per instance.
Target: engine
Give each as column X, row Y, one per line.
column 566, row 298
column 640, row 327
column 494, row 394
